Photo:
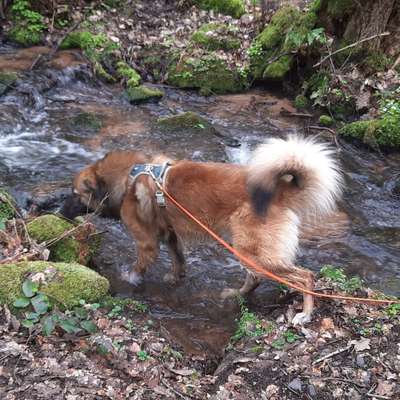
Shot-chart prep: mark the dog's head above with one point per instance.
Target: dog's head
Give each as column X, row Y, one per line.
column 100, row 187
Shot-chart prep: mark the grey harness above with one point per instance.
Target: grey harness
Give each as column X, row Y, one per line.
column 158, row 172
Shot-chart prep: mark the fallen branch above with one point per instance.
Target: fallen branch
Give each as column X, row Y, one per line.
column 334, row 353
column 295, row 114
column 350, row 46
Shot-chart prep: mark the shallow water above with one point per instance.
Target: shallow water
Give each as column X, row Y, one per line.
column 40, row 150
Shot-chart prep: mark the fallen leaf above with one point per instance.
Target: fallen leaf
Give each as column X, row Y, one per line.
column 360, row 345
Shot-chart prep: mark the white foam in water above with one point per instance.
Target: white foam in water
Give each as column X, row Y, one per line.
column 239, row 155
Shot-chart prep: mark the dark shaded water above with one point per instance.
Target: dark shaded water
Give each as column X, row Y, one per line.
column 41, row 148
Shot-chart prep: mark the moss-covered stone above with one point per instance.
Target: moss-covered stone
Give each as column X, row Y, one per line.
column 215, row 36
column 207, row 73
column 141, row 94
column 128, row 74
column 78, row 246
column 7, row 206
column 23, row 36
column 325, row 120
column 185, row 122
column 301, row 102
column 7, row 79
column 85, row 121
column 286, row 33
column 234, row 8
column 65, row 284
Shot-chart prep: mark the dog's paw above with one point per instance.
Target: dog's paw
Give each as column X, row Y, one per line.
column 301, row 318
column 229, row 293
column 133, row 278
column 170, row 278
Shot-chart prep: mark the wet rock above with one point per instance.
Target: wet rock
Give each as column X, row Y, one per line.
column 87, row 122
column 216, row 36
column 186, row 122
column 79, row 246
column 325, row 120
column 142, row 94
column 64, row 283
column 295, row 384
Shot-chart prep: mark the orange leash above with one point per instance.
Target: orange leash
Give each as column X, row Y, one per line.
column 256, row 268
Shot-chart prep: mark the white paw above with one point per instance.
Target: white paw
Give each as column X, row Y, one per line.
column 229, row 293
column 133, row 278
column 301, row 318
column 170, row 278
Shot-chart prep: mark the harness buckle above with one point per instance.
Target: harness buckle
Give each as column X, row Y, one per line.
column 160, row 198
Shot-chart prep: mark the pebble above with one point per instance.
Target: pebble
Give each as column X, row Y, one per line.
column 295, row 384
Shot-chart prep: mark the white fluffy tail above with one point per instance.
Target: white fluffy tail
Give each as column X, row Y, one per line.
column 298, row 173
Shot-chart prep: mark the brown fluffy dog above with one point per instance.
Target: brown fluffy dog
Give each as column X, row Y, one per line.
column 260, row 206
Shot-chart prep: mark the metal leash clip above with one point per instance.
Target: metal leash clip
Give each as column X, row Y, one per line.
column 160, row 199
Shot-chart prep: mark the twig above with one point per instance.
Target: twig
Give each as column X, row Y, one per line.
column 177, row 392
column 350, row 46
column 330, row 355
column 344, row 380
column 377, row 396
column 324, row 128
column 295, row 114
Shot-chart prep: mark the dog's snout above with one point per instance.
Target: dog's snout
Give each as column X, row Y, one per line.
column 73, row 207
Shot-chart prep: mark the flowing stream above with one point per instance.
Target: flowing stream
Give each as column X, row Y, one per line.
column 42, row 145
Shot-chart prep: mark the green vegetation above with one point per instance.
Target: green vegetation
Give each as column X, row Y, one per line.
column 97, row 48
column 65, row 284
column 78, row 246
column 141, row 94
column 383, row 131
column 338, row 278
column 7, row 79
column 86, row 121
column 249, row 324
column 118, row 306
column 325, row 120
column 142, row 355
column 301, row 102
column 28, row 24
column 185, row 122
column 128, row 74
column 7, row 207
column 38, row 313
column 208, row 73
column 214, row 36
column 287, row 337
column 234, row 8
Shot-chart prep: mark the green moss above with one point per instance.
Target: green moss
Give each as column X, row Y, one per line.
column 127, row 73
column 77, row 247
column 185, row 122
column 86, row 121
column 142, row 94
column 214, row 36
column 301, row 102
column 97, row 48
column 7, row 79
column 325, row 120
column 377, row 62
column 234, row 8
column 278, row 69
column 7, row 206
column 65, row 284
column 208, row 73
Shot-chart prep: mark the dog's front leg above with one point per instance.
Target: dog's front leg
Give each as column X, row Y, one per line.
column 178, row 269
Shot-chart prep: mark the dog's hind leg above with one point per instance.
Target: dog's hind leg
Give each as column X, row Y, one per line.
column 178, row 269
column 250, row 284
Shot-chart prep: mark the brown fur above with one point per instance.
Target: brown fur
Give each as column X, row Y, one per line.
column 216, row 193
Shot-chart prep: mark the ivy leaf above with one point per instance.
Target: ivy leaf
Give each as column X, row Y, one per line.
column 89, row 326
column 48, row 325
column 29, row 288
column 69, row 326
column 27, row 323
column 32, row 316
column 2, row 224
column 21, row 302
column 40, row 303
column 80, row 312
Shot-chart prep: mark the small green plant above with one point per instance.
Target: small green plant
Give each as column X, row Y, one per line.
column 142, row 355
column 39, row 313
column 338, row 277
column 249, row 324
column 255, row 50
column 393, row 310
column 117, row 306
column 287, row 337
column 29, row 24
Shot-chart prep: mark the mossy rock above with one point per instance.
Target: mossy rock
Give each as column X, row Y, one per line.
column 374, row 133
column 24, row 36
column 301, row 102
column 85, row 121
column 142, row 94
column 216, row 36
column 285, row 34
column 7, row 207
column 325, row 120
column 7, row 79
column 208, row 73
column 234, row 8
column 65, row 283
column 128, row 74
column 79, row 246
column 186, row 122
